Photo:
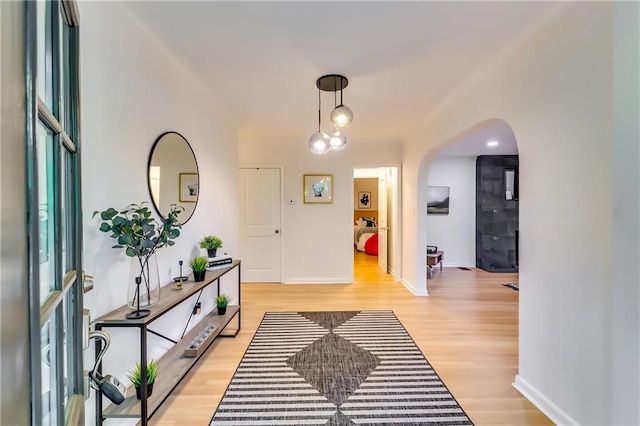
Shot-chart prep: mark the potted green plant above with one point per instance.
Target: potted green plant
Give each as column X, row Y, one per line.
column 141, row 236
column 221, row 302
column 212, row 244
column 199, row 266
column 135, row 376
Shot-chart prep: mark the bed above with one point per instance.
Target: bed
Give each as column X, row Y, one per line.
column 362, row 233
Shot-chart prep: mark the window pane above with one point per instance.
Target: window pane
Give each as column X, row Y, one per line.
column 66, row 211
column 64, row 69
column 49, row 391
column 67, row 346
column 45, row 62
column 45, row 211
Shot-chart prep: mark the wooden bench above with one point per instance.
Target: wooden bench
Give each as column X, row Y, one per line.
column 433, row 259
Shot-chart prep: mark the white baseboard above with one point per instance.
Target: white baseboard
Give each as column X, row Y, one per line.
column 392, row 272
column 457, row 265
column 413, row 291
column 544, row 404
column 318, row 281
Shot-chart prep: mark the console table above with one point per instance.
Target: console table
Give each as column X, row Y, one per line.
column 434, row 259
column 173, row 366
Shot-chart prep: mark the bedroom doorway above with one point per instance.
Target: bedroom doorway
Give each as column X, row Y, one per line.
column 375, row 216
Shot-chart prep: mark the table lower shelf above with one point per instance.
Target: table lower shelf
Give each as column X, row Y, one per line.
column 172, row 367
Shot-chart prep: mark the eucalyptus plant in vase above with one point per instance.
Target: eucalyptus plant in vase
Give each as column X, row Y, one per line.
column 141, row 236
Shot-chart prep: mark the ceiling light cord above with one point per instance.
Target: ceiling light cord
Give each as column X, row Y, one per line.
column 319, row 110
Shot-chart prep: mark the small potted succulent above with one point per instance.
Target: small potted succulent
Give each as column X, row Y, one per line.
column 199, row 266
column 135, row 376
column 221, row 302
column 212, row 244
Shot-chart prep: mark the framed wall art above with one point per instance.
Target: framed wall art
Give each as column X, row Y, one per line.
column 317, row 189
column 189, row 187
column 364, row 200
column 438, row 200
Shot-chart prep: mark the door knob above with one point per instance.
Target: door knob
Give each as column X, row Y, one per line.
column 277, row 231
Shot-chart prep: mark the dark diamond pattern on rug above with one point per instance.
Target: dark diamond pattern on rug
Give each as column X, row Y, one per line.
column 336, row 369
column 334, row 366
column 329, row 320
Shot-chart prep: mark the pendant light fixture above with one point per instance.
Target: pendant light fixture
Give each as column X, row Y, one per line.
column 337, row 140
column 320, row 143
column 341, row 116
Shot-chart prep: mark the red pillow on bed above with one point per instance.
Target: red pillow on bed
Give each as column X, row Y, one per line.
column 371, row 246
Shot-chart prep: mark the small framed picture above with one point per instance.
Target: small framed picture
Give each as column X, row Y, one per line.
column 189, row 187
column 437, row 200
column 364, row 200
column 317, row 189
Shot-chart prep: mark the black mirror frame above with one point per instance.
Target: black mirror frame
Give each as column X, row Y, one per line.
column 153, row 148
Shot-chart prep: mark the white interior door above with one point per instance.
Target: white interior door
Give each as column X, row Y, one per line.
column 382, row 223
column 260, row 224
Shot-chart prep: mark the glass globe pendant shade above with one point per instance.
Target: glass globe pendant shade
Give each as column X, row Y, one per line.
column 341, row 116
column 319, row 143
column 337, row 140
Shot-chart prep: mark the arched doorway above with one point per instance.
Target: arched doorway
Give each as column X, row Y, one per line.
column 471, row 219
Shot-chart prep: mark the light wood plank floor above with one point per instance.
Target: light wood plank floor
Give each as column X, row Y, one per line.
column 467, row 328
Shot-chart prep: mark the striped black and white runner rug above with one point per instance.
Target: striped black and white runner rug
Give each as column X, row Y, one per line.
column 335, row 368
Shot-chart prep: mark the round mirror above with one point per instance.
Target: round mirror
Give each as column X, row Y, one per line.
column 173, row 175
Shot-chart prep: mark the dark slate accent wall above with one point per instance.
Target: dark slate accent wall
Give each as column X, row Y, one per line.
column 496, row 217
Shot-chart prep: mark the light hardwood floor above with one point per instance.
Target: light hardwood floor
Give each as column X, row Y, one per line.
column 467, row 328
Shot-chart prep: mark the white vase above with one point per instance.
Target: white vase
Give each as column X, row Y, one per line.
column 149, row 289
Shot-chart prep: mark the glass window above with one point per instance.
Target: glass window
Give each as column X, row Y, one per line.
column 49, row 373
column 66, row 197
column 45, row 60
column 67, row 327
column 64, row 59
column 56, row 359
column 46, row 211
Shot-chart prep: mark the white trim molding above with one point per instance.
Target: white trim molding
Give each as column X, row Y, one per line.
column 544, row 404
column 412, row 289
column 318, row 281
column 457, row 265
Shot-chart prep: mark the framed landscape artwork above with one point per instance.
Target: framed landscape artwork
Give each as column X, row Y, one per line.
column 438, row 200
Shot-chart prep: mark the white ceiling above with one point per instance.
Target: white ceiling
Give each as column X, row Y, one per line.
column 402, row 59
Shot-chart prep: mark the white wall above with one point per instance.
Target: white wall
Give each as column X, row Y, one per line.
column 132, row 91
column 454, row 233
column 556, row 91
column 625, row 321
column 317, row 240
